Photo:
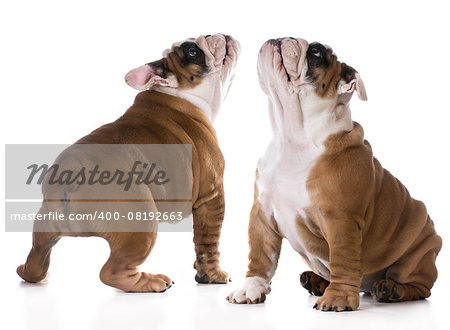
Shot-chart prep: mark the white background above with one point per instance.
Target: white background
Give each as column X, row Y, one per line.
column 61, row 74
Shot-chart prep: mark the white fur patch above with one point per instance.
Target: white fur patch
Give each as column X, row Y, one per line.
column 301, row 122
column 282, row 175
column 295, row 148
column 252, row 289
column 210, row 93
column 200, row 96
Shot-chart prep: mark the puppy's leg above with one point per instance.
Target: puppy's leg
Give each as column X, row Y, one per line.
column 413, row 275
column 315, row 284
column 208, row 218
column 265, row 245
column 45, row 236
column 344, row 239
column 128, row 251
column 38, row 261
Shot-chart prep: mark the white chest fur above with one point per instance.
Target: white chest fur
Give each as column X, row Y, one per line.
column 282, row 175
column 300, row 125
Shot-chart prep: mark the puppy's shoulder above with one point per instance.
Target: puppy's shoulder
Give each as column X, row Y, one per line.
column 343, row 141
column 347, row 163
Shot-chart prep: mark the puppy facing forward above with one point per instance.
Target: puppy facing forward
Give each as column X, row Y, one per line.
column 320, row 187
column 181, row 94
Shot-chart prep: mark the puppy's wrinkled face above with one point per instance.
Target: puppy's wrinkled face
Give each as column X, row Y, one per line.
column 292, row 65
column 187, row 64
column 184, row 65
column 326, row 73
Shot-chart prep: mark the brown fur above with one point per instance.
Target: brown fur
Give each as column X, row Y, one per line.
column 188, row 76
column 327, row 78
column 264, row 240
column 369, row 223
column 312, row 282
column 155, row 118
column 362, row 221
column 327, row 72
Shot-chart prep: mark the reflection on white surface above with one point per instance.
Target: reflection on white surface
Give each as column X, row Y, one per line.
column 74, row 297
column 63, row 79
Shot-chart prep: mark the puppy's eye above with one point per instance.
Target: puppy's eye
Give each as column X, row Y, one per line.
column 192, row 52
column 316, row 52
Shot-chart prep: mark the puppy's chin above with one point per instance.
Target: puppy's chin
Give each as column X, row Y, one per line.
column 271, row 68
column 232, row 52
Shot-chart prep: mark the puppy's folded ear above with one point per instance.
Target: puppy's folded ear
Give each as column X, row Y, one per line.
column 355, row 84
column 151, row 74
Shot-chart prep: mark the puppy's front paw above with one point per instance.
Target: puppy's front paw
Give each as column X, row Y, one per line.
column 253, row 291
column 337, row 300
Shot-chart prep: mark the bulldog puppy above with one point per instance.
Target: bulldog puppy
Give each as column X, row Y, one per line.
column 319, row 186
column 181, row 95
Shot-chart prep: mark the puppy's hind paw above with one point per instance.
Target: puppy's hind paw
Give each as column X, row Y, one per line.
column 214, row 277
column 315, row 284
column 386, row 291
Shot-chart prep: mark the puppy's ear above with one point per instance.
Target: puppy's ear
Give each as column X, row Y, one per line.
column 151, row 74
column 355, row 84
